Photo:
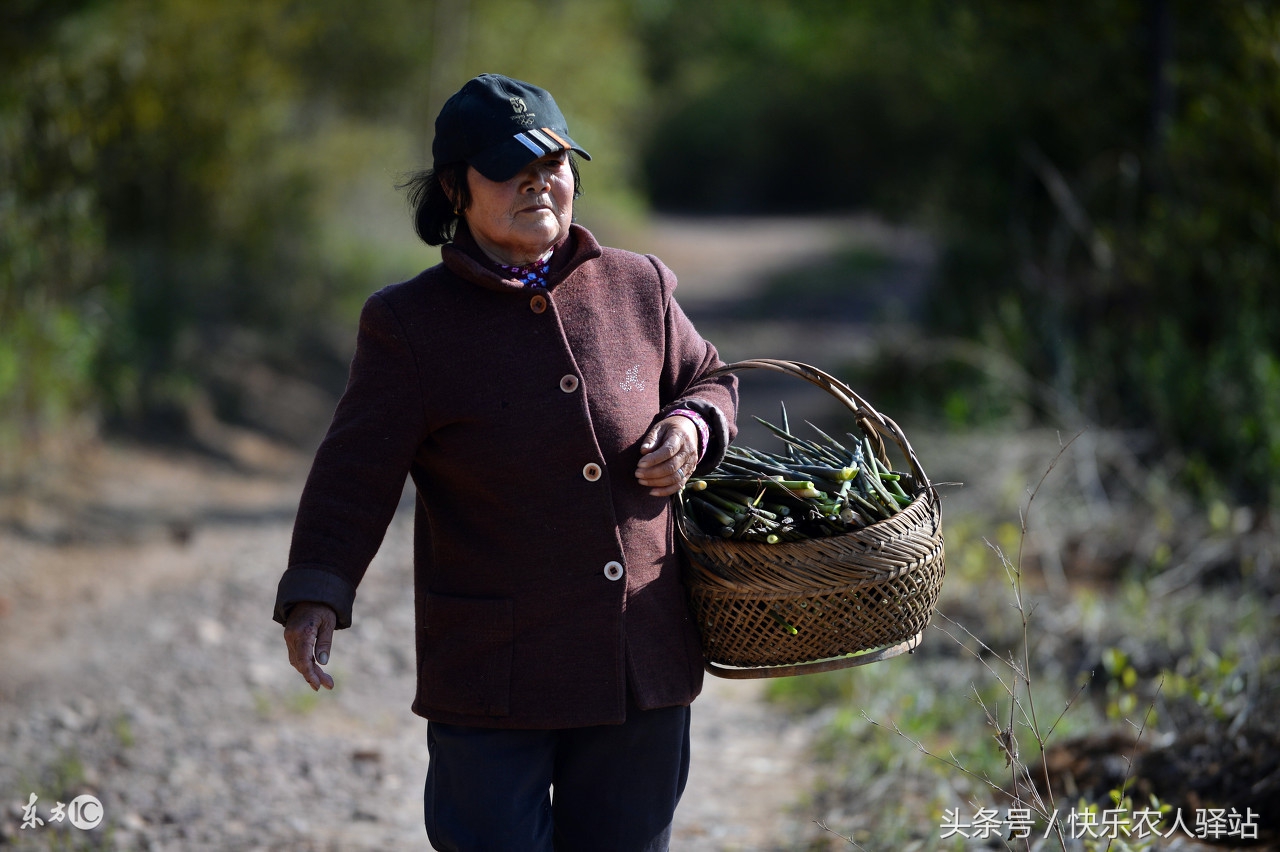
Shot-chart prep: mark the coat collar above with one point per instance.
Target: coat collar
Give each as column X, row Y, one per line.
column 465, row 259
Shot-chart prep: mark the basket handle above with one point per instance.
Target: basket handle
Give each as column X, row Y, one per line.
column 873, row 422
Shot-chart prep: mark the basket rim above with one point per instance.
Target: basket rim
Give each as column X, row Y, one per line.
column 830, row 664
column 926, row 503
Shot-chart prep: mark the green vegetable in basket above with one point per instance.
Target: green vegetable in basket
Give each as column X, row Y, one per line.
column 812, row 489
column 783, row 623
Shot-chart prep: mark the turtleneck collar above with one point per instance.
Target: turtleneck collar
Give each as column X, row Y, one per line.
column 464, row 257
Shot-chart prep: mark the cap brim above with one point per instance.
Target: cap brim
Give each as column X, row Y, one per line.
column 505, row 160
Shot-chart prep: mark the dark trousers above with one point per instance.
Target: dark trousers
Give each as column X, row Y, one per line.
column 608, row 788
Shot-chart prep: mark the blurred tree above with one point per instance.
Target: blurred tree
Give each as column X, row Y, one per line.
column 1104, row 177
column 155, row 129
column 165, row 166
column 1202, row 355
column 1124, row 241
column 51, row 242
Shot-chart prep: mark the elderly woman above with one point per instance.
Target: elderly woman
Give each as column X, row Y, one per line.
column 547, row 396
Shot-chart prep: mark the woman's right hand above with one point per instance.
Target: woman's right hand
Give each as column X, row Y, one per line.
column 309, row 634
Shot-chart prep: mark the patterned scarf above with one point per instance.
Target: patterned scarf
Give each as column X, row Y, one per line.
column 531, row 274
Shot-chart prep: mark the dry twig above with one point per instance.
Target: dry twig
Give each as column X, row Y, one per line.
column 1019, row 689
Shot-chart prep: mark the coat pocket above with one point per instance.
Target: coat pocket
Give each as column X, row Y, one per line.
column 466, row 659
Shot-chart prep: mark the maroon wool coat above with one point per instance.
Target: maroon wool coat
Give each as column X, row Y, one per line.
column 518, row 413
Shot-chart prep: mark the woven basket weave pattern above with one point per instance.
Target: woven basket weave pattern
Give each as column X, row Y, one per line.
column 821, row 603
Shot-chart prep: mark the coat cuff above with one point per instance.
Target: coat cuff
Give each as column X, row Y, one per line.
column 717, row 428
column 300, row 584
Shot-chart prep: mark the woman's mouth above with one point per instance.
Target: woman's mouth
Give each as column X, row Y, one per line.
column 535, row 207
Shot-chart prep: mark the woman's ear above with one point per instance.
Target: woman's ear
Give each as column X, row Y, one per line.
column 448, row 183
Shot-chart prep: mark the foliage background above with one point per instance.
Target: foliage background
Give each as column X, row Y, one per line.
column 194, row 196
column 1103, row 177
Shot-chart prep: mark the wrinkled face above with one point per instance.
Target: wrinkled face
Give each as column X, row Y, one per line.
column 516, row 220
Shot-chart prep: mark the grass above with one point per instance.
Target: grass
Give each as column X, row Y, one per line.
column 62, row 779
column 1011, row 670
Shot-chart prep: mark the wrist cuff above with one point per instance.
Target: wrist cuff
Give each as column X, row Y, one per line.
column 704, row 433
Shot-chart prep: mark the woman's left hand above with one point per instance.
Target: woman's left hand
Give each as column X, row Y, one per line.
column 668, row 454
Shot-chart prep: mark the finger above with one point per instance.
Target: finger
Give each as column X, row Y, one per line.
column 653, row 441
column 317, row 677
column 300, row 640
column 672, row 487
column 674, row 470
column 663, row 482
column 311, row 673
column 324, row 643
column 665, row 492
column 305, row 664
column 667, row 460
column 664, row 458
column 672, row 444
column 324, row 640
column 672, row 432
column 300, row 636
column 651, row 438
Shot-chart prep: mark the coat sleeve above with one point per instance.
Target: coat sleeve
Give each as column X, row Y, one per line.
column 358, row 474
column 684, row 376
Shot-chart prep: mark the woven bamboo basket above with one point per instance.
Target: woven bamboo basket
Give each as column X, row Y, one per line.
column 852, row 599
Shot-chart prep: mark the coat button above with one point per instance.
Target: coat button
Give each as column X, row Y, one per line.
column 569, row 383
column 591, row 472
column 538, row 303
column 613, row 570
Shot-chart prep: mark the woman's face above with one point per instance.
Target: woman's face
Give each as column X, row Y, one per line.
column 515, row 221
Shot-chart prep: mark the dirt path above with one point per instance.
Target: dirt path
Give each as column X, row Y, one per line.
column 141, row 665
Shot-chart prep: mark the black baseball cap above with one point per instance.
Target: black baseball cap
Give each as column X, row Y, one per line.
column 500, row 125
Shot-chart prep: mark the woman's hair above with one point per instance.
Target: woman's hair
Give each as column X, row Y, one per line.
column 435, row 213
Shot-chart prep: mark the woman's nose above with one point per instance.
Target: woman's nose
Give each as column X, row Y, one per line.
column 537, row 179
